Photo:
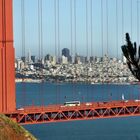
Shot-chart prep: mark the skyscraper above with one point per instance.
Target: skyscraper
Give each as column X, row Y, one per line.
column 66, row 53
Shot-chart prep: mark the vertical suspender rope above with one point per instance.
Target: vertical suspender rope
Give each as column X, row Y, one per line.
column 117, row 27
column 75, row 22
column 58, row 25
column 122, row 4
column 87, row 28
column 56, row 44
column 102, row 26
column 40, row 41
column 131, row 7
column 138, row 21
column 71, row 36
column 23, row 27
column 102, row 34
column 91, row 29
column 91, row 61
column 122, row 22
column 107, row 51
column 41, row 47
column 75, row 40
column 41, row 29
column 71, row 27
column 23, row 47
column 87, row 46
column 117, row 32
column 55, row 36
column 131, row 24
column 102, row 40
column 40, row 32
column 55, row 32
column 107, row 27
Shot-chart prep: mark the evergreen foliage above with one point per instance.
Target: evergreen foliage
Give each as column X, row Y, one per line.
column 132, row 55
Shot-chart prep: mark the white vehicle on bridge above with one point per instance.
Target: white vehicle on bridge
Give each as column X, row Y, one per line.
column 72, row 103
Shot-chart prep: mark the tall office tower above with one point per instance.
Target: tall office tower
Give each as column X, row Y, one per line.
column 66, row 53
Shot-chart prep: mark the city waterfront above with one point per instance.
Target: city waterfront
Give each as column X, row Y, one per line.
column 107, row 129
column 99, row 70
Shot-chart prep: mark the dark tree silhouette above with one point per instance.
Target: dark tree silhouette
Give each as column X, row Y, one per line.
column 133, row 56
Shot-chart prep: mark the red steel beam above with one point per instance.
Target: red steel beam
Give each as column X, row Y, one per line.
column 7, row 70
column 60, row 113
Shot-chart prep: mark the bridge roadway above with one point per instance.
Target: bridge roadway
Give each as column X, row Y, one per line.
column 86, row 111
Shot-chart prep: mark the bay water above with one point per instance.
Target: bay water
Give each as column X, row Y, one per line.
column 40, row 94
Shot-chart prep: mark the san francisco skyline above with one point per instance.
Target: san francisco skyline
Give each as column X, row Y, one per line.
column 100, row 27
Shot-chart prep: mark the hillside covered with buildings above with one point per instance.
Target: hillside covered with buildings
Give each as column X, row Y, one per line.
column 78, row 69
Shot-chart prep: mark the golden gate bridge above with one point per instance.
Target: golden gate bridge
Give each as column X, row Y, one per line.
column 49, row 113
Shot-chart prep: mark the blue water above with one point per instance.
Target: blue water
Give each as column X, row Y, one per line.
column 103, row 129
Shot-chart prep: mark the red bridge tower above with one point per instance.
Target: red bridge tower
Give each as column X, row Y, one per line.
column 7, row 70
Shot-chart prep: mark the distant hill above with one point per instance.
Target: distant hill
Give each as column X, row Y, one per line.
column 10, row 130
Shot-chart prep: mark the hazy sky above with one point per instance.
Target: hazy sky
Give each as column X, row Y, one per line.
column 110, row 33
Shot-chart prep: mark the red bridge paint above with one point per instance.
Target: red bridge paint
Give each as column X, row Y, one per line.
column 60, row 113
column 52, row 113
column 7, row 69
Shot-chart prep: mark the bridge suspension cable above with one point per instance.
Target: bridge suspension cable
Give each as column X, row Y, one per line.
column 91, row 22
column 122, row 21
column 23, row 27
column 131, row 14
column 40, row 38
column 71, row 27
column 55, row 28
column 102, row 27
column 55, row 40
column 87, row 40
column 107, row 26
column 40, row 45
column 57, row 43
column 75, row 26
column 23, row 42
column 117, row 30
column 58, row 24
column 138, row 22
column 86, row 11
column 71, row 42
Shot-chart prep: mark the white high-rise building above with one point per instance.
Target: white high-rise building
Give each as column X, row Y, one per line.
column 64, row 60
column 18, row 64
column 53, row 61
column 29, row 56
